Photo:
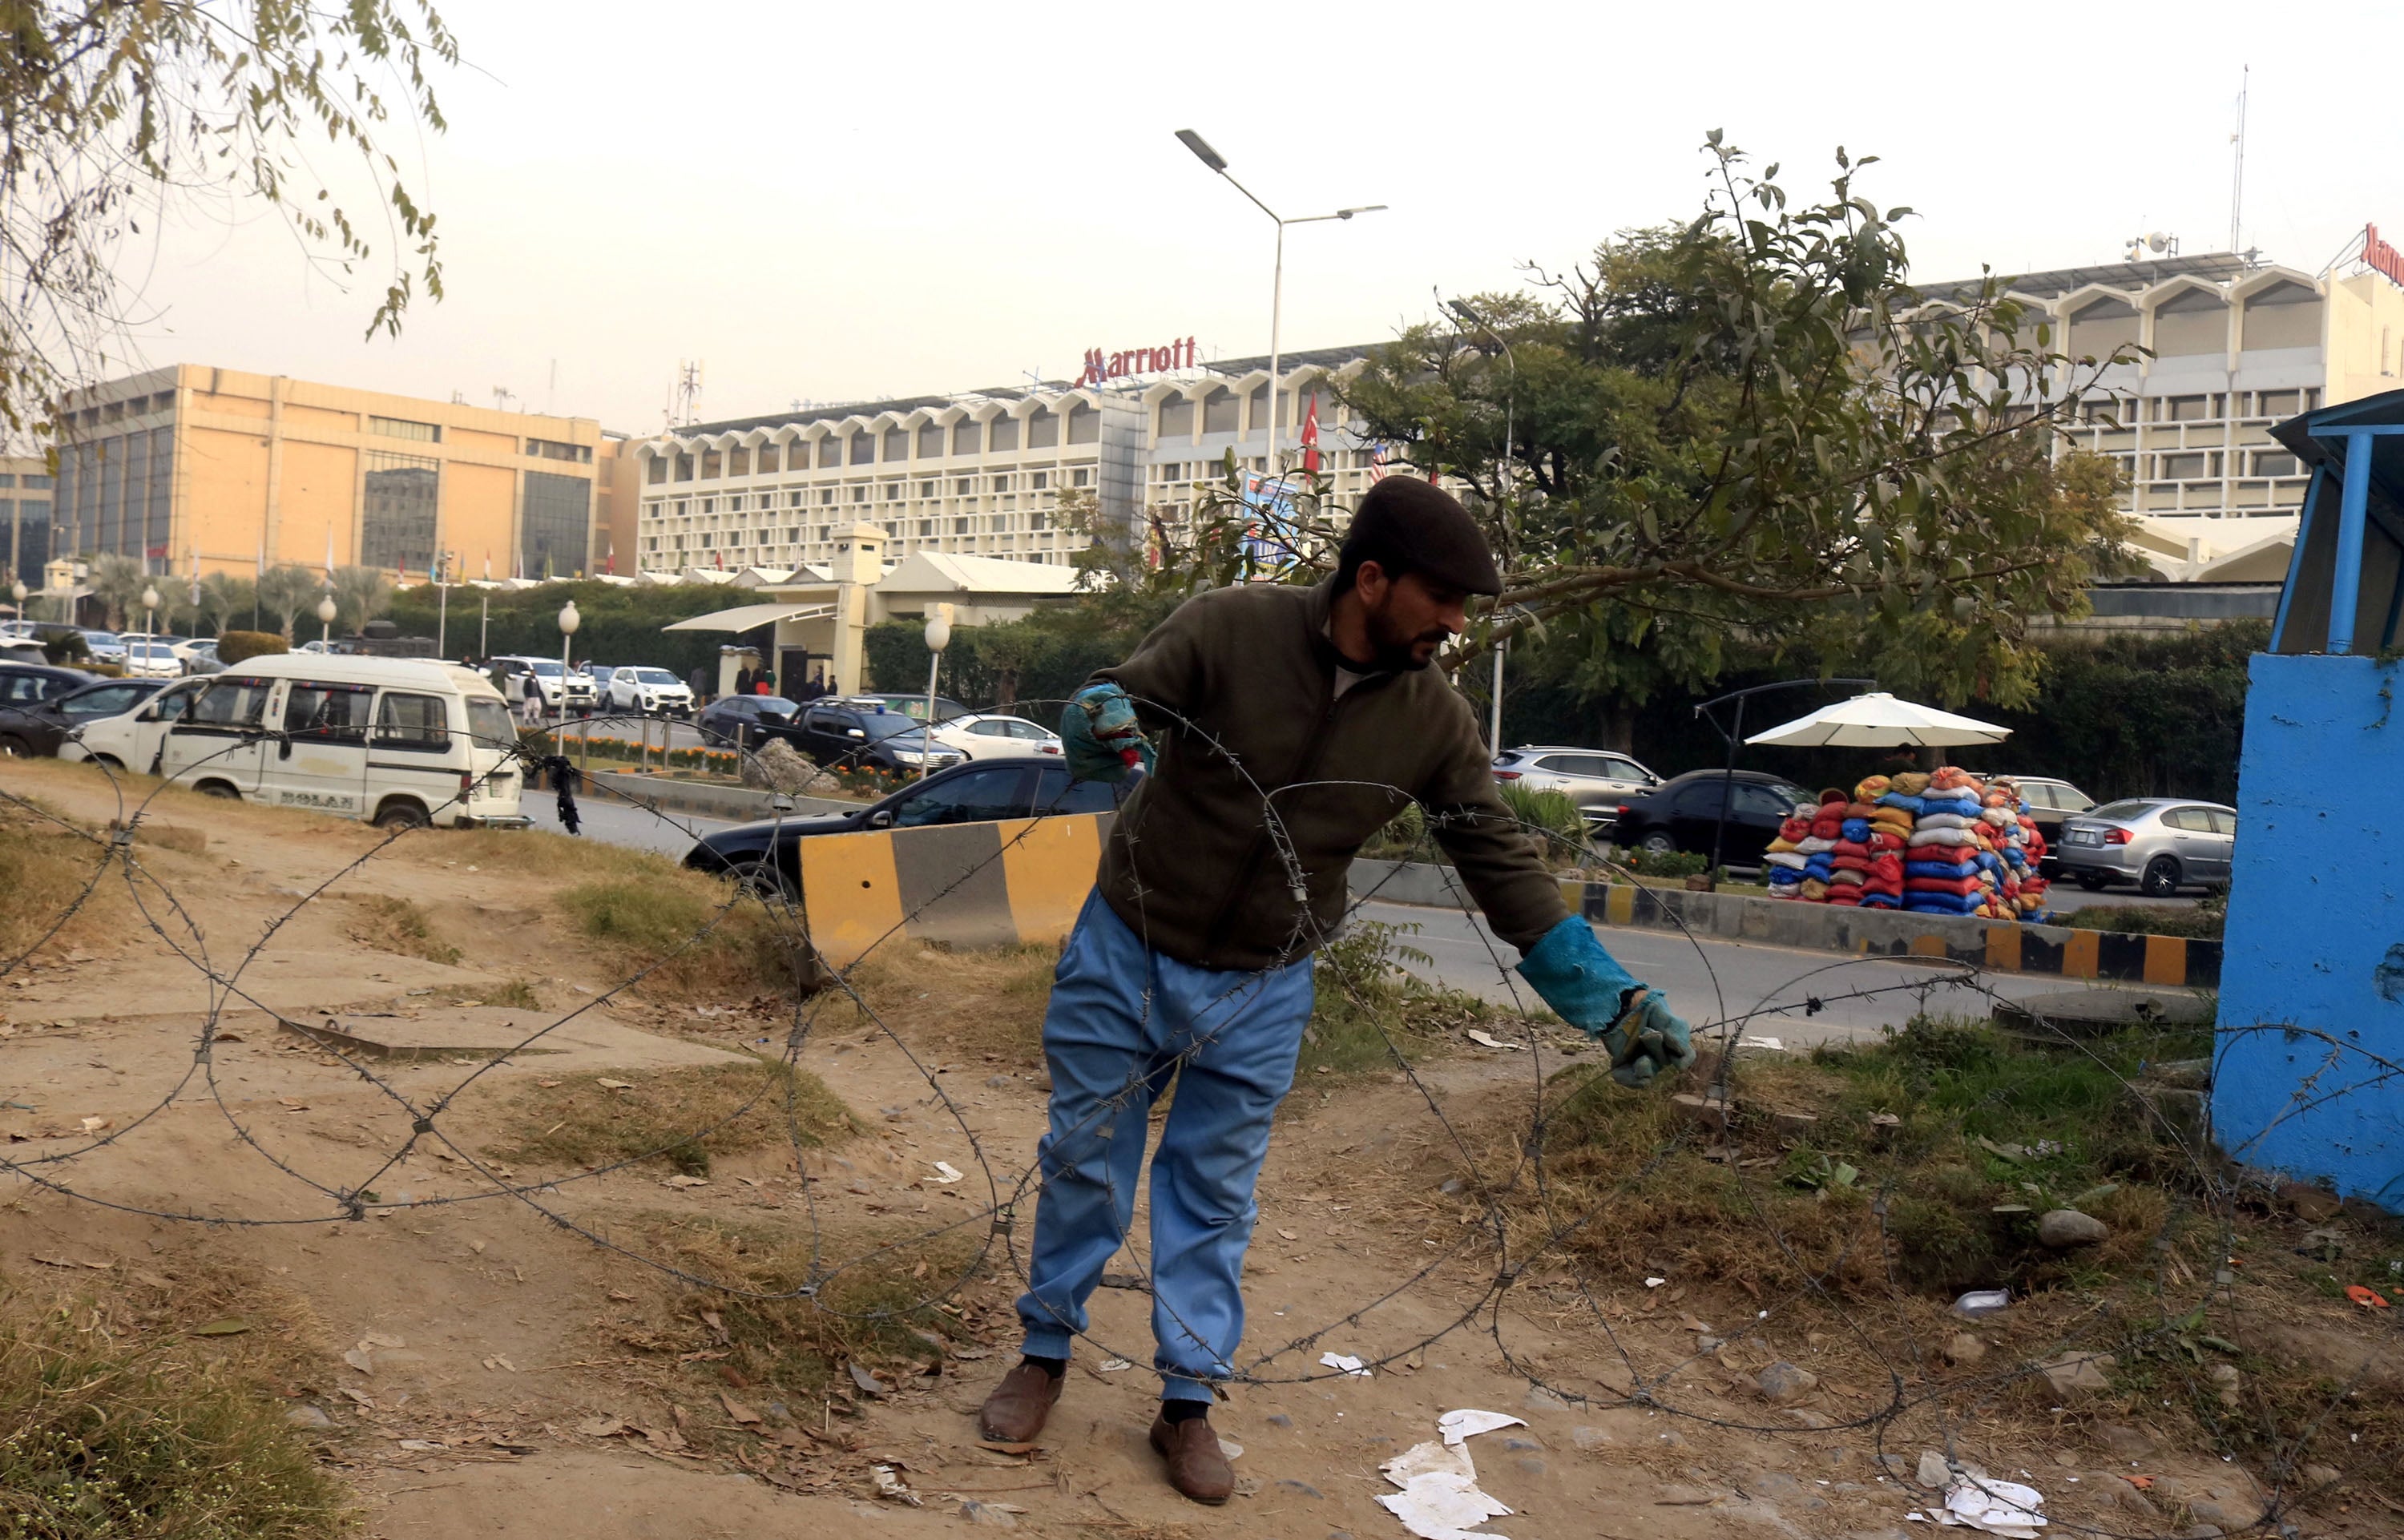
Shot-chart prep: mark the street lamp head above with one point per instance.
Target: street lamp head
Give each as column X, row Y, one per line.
column 149, row 597
column 1365, row 208
column 326, row 609
column 1461, row 308
column 1202, row 151
column 568, row 619
column 17, row 591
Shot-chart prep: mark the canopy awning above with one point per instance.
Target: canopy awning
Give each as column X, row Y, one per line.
column 1879, row 720
column 750, row 617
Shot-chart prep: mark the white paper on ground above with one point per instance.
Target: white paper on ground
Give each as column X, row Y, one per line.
column 1346, row 1362
column 1429, row 1459
column 1469, row 1423
column 1441, row 1506
column 947, row 1173
column 1998, row 1507
column 1480, row 1037
column 1774, row 1044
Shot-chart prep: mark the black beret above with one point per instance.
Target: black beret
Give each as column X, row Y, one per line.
column 1405, row 524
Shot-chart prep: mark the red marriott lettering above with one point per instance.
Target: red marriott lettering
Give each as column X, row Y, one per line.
column 2381, row 258
column 1100, row 366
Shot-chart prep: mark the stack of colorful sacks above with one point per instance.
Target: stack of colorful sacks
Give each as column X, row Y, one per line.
column 1785, row 861
column 1880, row 833
column 2019, row 848
column 1945, row 866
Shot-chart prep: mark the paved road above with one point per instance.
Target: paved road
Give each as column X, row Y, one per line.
column 1711, row 979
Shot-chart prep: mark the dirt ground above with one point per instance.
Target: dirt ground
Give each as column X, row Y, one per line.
column 474, row 1367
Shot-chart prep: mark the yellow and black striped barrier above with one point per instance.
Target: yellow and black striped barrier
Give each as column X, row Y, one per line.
column 967, row 885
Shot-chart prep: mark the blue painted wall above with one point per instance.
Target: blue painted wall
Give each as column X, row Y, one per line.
column 2315, row 937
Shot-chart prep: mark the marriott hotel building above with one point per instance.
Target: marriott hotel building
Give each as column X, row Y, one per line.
column 2231, row 347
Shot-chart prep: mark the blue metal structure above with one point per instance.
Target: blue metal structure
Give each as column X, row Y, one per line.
column 2349, row 558
column 2308, row 1078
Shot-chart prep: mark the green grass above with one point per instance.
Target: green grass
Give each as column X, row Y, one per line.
column 682, row 1117
column 683, row 927
column 1364, row 1007
column 103, row 1434
column 2203, row 921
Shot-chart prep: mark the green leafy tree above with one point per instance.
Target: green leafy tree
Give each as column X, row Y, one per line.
column 285, row 590
column 226, row 601
column 361, row 593
column 1749, row 425
column 115, row 111
column 117, row 582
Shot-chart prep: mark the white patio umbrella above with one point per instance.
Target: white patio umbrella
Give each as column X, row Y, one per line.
column 1879, row 720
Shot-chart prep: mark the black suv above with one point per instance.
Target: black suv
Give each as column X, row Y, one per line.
column 984, row 791
column 844, row 733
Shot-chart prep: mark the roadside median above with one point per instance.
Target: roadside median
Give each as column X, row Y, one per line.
column 2166, row 960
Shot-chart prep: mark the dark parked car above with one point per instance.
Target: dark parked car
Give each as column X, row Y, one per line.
column 1679, row 814
column 981, row 791
column 36, row 728
column 750, row 721
column 852, row 733
column 24, row 687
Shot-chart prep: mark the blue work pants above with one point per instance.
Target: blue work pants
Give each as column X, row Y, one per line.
column 1123, row 1021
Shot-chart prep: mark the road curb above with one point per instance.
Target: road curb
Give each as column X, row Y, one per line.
column 740, row 802
column 2164, row 960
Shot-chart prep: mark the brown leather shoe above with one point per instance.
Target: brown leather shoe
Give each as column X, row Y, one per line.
column 1196, row 1466
column 1014, row 1412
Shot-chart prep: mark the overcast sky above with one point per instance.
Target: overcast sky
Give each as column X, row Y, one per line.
column 828, row 204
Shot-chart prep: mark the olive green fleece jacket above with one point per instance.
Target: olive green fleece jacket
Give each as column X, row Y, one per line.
column 1234, row 853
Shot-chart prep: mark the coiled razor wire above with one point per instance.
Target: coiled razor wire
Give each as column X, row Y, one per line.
column 2213, row 1199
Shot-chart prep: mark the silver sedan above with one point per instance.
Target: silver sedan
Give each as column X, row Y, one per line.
column 2161, row 844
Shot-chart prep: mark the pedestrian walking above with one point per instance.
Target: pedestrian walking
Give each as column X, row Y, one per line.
column 1193, row 955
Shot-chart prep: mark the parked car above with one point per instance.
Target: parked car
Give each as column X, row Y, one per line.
column 653, row 692
column 1681, row 812
column 913, row 706
column 2050, row 803
column 151, row 660
column 201, row 657
column 38, row 730
column 769, row 854
column 733, row 721
column 402, row 743
column 991, row 734
column 860, row 733
column 562, row 691
column 2161, row 844
column 105, row 646
column 1596, row 780
column 26, row 684
column 130, row 739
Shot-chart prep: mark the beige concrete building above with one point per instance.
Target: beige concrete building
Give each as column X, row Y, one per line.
column 190, row 466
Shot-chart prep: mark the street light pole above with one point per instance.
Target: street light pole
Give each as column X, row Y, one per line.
column 569, row 621
column 150, row 609
column 1217, row 162
column 939, row 636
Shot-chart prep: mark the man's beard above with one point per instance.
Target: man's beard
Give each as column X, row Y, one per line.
column 1393, row 648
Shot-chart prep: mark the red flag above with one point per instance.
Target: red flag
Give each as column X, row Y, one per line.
column 1311, row 437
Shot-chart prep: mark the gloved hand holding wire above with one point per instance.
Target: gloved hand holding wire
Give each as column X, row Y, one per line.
column 1587, row 987
column 1100, row 736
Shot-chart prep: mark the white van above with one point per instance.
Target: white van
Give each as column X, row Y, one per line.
column 400, row 742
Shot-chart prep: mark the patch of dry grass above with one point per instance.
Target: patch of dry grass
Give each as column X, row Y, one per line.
column 166, row 837
column 682, row 1116
column 987, row 1002
column 398, row 926
column 518, row 994
column 694, row 935
column 118, row 1418
column 894, row 1300
column 535, row 852
column 44, row 870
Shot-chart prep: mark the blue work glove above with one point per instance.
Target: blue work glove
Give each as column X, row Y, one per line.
column 1587, row 987
column 1098, row 735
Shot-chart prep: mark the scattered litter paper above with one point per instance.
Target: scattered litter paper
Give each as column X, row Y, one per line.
column 1998, row 1507
column 1485, row 1040
column 1654, row 1283
column 1439, row 1506
column 1429, row 1459
column 1440, row 1498
column 1466, row 1424
column 946, row 1173
column 1775, row 1046
column 1112, row 1365
column 1346, row 1362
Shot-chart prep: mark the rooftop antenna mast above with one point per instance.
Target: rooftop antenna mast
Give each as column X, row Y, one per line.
column 2237, row 178
column 688, row 392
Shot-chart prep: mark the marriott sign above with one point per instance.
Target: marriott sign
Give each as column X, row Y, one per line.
column 1101, row 366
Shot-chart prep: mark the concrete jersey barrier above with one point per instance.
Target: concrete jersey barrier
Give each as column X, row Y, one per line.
column 1017, row 882
column 2006, row 947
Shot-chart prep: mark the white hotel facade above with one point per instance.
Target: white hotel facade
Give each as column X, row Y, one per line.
column 2232, row 348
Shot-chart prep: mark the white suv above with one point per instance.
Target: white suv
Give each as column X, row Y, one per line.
column 653, row 692
column 560, row 691
column 1597, row 779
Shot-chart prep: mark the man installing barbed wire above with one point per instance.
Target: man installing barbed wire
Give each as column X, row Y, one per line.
column 1293, row 723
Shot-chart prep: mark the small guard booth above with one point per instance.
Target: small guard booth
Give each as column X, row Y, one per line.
column 2309, row 1074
